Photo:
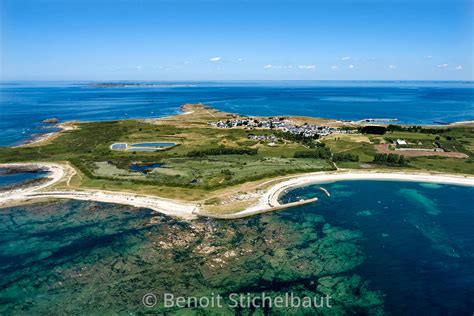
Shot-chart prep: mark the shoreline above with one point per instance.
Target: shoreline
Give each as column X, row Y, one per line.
column 43, row 137
column 268, row 201
column 184, row 110
column 270, row 198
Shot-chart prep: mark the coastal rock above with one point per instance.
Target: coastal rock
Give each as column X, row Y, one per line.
column 52, row 120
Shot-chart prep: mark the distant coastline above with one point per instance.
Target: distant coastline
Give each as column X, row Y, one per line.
column 40, row 138
column 406, row 101
column 136, row 85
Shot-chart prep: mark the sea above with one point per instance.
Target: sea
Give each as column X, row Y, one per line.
column 9, row 179
column 24, row 105
column 372, row 247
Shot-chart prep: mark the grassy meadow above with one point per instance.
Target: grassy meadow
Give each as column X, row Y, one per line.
column 87, row 148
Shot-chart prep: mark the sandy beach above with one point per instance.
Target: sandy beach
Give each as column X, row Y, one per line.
column 61, row 172
column 267, row 201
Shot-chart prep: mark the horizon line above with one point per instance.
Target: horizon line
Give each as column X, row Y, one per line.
column 237, row 80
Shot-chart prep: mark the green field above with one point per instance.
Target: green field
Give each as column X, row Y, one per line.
column 87, row 148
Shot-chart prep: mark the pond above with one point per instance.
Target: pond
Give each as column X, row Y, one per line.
column 144, row 168
column 144, row 146
column 119, row 146
column 157, row 144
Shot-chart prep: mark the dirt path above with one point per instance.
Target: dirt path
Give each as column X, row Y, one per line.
column 267, row 201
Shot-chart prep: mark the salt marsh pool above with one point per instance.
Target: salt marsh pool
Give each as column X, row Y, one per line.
column 119, row 146
column 143, row 146
column 159, row 144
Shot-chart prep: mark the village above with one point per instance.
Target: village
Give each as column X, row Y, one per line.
column 282, row 124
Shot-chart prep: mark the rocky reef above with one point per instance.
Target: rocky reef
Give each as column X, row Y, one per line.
column 94, row 257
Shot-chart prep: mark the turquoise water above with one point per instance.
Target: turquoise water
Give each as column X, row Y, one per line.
column 9, row 178
column 415, row 102
column 376, row 247
column 418, row 238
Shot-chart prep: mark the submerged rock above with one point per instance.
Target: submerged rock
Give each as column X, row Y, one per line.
column 364, row 213
column 110, row 257
column 419, row 199
column 52, row 120
column 353, row 293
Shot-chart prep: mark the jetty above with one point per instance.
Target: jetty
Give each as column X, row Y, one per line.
column 325, row 191
column 254, row 212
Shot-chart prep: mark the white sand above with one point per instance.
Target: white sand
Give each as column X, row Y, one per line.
column 271, row 196
column 56, row 173
column 59, row 172
column 320, row 177
column 168, row 207
column 267, row 200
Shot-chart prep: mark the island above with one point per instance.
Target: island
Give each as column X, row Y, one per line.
column 206, row 163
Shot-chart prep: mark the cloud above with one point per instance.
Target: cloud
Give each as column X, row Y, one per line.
column 240, row 59
column 429, row 56
column 443, row 66
column 215, row 59
column 306, row 66
column 268, row 66
column 346, row 58
column 334, row 67
column 351, row 66
column 138, row 67
column 459, row 67
column 392, row 66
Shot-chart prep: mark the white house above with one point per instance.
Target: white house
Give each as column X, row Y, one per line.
column 401, row 142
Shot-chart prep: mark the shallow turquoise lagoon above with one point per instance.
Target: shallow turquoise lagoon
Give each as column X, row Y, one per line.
column 10, row 178
column 375, row 247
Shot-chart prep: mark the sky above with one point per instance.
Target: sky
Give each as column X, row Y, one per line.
column 179, row 40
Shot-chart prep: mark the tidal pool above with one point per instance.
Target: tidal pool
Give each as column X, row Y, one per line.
column 14, row 177
column 84, row 257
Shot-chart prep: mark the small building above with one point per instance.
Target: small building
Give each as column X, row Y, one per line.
column 401, row 142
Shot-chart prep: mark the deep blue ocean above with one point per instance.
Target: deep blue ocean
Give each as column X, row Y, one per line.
column 24, row 105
